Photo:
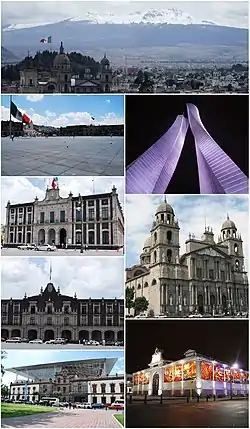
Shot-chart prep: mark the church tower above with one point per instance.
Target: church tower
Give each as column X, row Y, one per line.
column 165, row 236
column 62, row 71
column 106, row 74
column 234, row 243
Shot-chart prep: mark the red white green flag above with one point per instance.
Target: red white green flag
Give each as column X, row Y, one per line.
column 46, row 40
column 54, row 183
column 22, row 117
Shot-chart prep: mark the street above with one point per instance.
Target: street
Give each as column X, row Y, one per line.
column 66, row 418
column 60, row 252
column 218, row 414
column 63, row 156
column 69, row 346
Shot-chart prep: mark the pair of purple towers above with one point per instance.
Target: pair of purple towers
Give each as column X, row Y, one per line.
column 152, row 171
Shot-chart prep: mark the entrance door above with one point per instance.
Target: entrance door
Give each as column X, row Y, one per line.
column 200, row 304
column 155, row 384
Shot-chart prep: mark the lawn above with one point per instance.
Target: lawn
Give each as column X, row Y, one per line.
column 19, row 410
column 120, row 418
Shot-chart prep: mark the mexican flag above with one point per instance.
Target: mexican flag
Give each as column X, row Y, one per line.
column 46, row 40
column 54, row 183
column 22, row 117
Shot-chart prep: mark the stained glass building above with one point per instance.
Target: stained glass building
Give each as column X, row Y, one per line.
column 194, row 375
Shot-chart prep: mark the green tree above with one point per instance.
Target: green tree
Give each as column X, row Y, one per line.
column 3, row 356
column 140, row 305
column 5, row 390
column 130, row 294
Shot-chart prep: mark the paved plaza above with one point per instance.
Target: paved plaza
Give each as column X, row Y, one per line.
column 59, row 252
column 79, row 418
column 69, row 346
column 218, row 414
column 63, row 156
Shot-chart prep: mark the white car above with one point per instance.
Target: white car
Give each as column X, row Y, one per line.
column 37, row 341
column 26, row 247
column 14, row 340
column 46, row 247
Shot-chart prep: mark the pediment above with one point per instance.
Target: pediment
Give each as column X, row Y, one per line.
column 87, row 83
column 211, row 251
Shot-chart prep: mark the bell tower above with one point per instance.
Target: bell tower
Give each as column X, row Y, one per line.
column 232, row 239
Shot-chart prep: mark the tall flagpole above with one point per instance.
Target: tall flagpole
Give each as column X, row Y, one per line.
column 93, row 180
column 10, row 113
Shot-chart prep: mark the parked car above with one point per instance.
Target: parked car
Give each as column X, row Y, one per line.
column 37, row 341
column 118, row 404
column 46, row 247
column 87, row 405
column 60, row 341
column 14, row 340
column 50, row 342
column 26, row 247
column 3, row 340
column 24, row 340
column 97, row 405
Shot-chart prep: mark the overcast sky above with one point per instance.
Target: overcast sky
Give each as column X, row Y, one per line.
column 232, row 13
column 89, row 277
column 192, row 213
column 39, row 357
column 25, row 189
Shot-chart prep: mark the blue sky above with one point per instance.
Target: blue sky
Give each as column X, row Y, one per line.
column 62, row 110
column 26, row 357
column 192, row 212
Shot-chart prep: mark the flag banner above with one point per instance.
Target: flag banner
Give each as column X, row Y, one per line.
column 46, row 40
column 92, row 118
column 54, row 183
column 22, row 117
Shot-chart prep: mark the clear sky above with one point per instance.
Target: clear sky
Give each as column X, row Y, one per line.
column 232, row 13
column 63, row 110
column 192, row 212
column 26, row 357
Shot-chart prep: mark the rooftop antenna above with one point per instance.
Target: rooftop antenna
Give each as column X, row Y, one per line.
column 93, row 181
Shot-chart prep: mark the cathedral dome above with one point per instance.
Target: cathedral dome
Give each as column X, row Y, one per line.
column 164, row 208
column 147, row 243
column 105, row 61
column 61, row 59
column 228, row 224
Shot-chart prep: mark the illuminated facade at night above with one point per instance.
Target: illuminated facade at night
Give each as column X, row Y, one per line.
column 193, row 375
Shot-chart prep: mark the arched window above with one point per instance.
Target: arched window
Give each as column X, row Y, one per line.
column 170, row 300
column 153, row 282
column 237, row 264
column 168, row 219
column 162, row 217
column 169, row 236
column 235, row 248
column 155, row 256
column 155, row 237
column 146, row 284
column 91, row 237
column 139, row 286
column 169, row 255
column 105, row 237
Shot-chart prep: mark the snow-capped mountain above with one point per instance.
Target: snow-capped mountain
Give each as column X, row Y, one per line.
column 152, row 16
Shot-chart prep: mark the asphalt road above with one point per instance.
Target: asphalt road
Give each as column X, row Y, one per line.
column 59, row 252
column 218, row 414
column 66, row 418
column 27, row 346
column 64, row 156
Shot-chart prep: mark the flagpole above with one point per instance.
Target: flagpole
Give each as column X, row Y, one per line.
column 10, row 114
column 93, row 180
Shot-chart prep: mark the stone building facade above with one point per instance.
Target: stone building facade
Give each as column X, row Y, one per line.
column 51, row 315
column 193, row 375
column 209, row 278
column 76, row 381
column 61, row 79
column 97, row 219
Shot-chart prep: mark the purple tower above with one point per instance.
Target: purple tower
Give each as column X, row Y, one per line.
column 218, row 174
column 153, row 170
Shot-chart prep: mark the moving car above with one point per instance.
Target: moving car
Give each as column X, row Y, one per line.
column 98, row 405
column 46, row 247
column 118, row 404
column 37, row 341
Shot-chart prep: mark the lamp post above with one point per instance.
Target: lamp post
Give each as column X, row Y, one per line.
column 80, row 209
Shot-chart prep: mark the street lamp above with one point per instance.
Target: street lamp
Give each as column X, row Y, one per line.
column 79, row 208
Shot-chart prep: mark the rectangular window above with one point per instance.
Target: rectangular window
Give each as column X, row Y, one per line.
column 52, row 217
column 96, row 321
column 20, row 210
column 32, row 321
column 105, row 202
column 49, row 321
column 122, row 388
column 12, row 211
column 109, row 321
column 33, row 309
column 112, row 387
column 29, row 209
column 91, row 226
column 62, row 216
column 94, row 388
column 222, row 275
column 103, row 388
column 16, row 320
column 49, row 309
column 105, row 213
column 41, row 217
column 16, row 308
column 105, row 225
column 199, row 273
column 211, row 274
column 84, row 309
column 91, row 203
column 96, row 308
column 91, row 214
column 29, row 218
column 109, row 309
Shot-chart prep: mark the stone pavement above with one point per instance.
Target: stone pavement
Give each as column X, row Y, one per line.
column 59, row 252
column 63, row 156
column 65, row 419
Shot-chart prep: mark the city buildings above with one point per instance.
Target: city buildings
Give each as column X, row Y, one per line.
column 209, row 278
column 93, row 220
column 193, row 375
column 50, row 314
column 86, row 380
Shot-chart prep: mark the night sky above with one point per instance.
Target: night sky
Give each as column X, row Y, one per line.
column 222, row 340
column 224, row 116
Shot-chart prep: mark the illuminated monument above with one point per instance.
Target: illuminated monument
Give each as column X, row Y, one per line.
column 194, row 375
column 152, row 171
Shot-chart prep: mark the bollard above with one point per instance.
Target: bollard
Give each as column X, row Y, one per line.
column 207, row 398
column 161, row 399
column 214, row 397
column 187, row 399
column 145, row 398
